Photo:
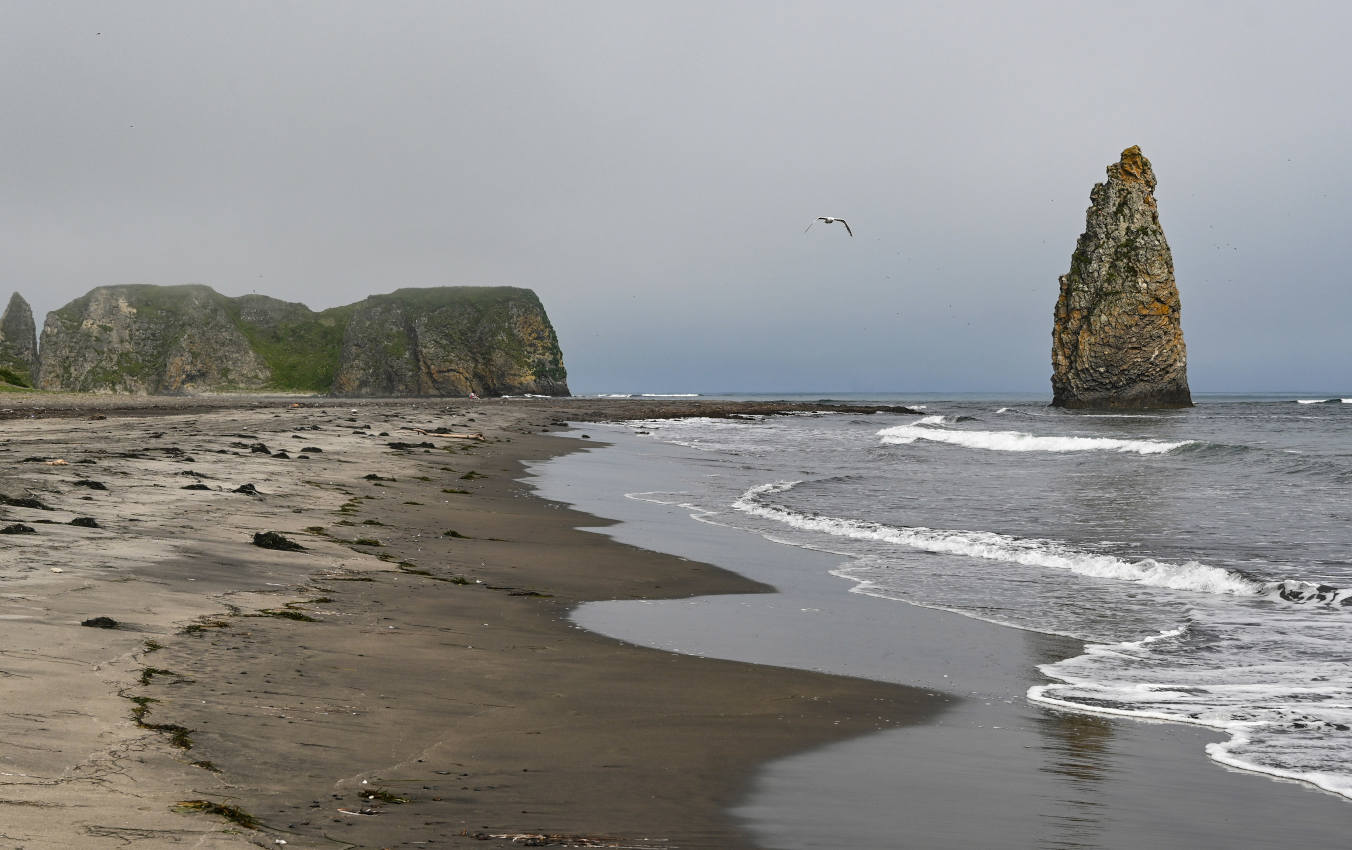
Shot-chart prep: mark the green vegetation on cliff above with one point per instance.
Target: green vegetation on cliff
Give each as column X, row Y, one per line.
column 18, row 344
column 300, row 346
column 182, row 339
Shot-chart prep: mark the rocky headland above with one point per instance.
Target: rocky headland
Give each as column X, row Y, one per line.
column 1117, row 342
column 180, row 340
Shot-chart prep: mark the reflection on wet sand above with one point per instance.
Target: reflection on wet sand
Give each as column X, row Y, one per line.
column 1076, row 751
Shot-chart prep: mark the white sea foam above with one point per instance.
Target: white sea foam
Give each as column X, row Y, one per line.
column 1286, row 703
column 670, row 395
column 1049, row 554
column 1017, row 441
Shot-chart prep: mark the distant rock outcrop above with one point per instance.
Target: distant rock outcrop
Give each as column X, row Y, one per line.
column 487, row 340
column 153, row 340
column 1117, row 342
column 184, row 339
column 18, row 343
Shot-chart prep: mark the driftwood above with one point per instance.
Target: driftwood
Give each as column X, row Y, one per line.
column 447, row 434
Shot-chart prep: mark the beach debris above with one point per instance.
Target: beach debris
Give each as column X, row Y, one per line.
column 260, row 449
column 23, row 502
column 281, row 454
column 100, row 623
column 374, row 477
column 85, row 522
column 198, row 486
column 273, row 540
column 57, row 570
column 91, row 484
column 540, row 839
column 58, row 462
column 442, row 432
column 286, row 613
column 363, row 811
column 231, row 813
column 406, row 446
column 312, row 450
column 248, row 490
column 18, row 528
column 382, row 795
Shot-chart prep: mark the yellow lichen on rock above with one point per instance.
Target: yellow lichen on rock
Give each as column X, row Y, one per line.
column 1119, row 300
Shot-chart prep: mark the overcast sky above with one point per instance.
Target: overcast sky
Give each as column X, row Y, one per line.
column 648, row 169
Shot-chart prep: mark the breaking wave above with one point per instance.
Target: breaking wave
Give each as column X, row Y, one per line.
column 1048, row 554
column 1018, row 441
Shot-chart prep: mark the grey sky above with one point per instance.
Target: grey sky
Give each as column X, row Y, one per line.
column 648, row 168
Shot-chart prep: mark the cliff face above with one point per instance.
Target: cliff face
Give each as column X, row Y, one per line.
column 158, row 340
column 451, row 341
column 1117, row 342
column 18, row 343
column 182, row 339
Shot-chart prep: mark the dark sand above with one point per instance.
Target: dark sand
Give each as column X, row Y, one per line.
column 994, row 770
column 392, row 685
column 311, row 693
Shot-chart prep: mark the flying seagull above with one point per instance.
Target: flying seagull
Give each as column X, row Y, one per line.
column 830, row 219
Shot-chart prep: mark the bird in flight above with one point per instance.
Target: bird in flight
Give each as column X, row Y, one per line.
column 830, row 219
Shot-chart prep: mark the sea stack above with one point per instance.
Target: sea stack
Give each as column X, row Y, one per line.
column 1117, row 342
column 18, row 343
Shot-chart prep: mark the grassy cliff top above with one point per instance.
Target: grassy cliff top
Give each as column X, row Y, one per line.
column 301, row 346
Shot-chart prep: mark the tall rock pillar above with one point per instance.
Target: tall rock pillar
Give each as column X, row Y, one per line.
column 18, row 343
column 1117, row 342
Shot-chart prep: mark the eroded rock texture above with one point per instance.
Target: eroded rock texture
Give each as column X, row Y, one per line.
column 450, row 341
column 18, row 343
column 183, row 339
column 150, row 340
column 1117, row 342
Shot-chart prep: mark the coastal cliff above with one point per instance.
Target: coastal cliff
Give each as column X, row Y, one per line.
column 183, row 339
column 450, row 341
column 18, row 343
column 1117, row 341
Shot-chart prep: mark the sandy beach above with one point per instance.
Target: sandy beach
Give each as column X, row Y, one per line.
column 408, row 678
column 444, row 653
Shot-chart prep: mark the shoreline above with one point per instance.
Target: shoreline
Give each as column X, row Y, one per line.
column 995, row 770
column 391, row 660
column 416, row 676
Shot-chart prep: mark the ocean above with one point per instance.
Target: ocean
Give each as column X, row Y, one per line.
column 1203, row 556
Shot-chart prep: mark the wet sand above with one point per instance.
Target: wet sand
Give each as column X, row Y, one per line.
column 410, row 678
column 994, row 770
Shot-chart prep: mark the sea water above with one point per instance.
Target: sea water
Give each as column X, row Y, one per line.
column 1204, row 554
